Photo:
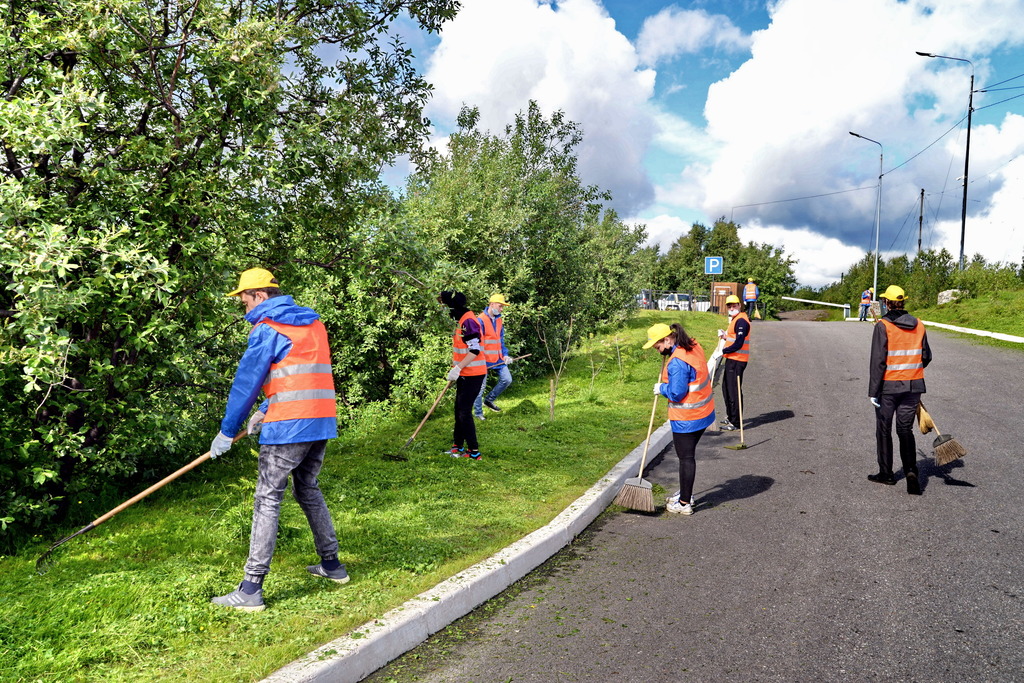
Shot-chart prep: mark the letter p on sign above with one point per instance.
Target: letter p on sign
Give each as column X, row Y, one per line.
column 713, row 265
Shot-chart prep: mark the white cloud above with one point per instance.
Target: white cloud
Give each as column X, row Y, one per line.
column 500, row 55
column 672, row 32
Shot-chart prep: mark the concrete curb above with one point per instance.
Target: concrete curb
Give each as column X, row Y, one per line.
column 356, row 655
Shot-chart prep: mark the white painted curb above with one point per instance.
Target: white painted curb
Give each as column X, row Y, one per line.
column 356, row 655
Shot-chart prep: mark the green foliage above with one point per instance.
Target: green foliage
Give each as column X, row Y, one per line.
column 152, row 151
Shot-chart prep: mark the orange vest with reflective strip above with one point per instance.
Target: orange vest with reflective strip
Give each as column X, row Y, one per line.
column 904, row 359
column 750, row 292
column 698, row 402
column 865, row 297
column 491, row 338
column 460, row 349
column 301, row 385
column 743, row 355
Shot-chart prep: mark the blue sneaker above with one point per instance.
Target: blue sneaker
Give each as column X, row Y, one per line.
column 243, row 601
column 338, row 575
column 474, row 455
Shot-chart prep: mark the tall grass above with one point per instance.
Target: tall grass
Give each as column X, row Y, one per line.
column 129, row 601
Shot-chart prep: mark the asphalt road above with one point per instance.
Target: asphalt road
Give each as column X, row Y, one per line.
column 793, row 567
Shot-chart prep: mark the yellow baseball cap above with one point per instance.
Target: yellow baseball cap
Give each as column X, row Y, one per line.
column 254, row 278
column 497, row 299
column 894, row 293
column 656, row 333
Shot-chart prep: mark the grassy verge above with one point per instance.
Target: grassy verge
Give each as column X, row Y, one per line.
column 997, row 312
column 130, row 600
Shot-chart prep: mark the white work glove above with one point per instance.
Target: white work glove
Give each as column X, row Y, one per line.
column 721, row 334
column 657, row 388
column 453, row 374
column 874, row 402
column 221, row 444
column 508, row 361
column 255, row 423
column 716, row 354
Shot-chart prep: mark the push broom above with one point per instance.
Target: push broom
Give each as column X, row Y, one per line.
column 947, row 449
column 636, row 492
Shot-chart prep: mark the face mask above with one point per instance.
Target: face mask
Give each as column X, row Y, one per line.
column 734, row 312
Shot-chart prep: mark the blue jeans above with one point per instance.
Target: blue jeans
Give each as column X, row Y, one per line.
column 864, row 311
column 277, row 461
column 504, row 380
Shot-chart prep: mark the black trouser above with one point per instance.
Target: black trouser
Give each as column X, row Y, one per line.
column 466, row 391
column 731, row 389
column 686, row 451
column 751, row 307
column 904, row 408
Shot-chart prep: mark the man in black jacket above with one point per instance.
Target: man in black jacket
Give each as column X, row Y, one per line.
column 899, row 355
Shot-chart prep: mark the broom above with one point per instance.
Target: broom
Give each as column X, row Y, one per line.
column 636, row 492
column 947, row 449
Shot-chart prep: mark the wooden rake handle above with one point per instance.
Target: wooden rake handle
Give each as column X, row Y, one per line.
column 429, row 412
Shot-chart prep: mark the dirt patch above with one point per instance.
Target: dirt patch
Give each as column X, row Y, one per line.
column 806, row 314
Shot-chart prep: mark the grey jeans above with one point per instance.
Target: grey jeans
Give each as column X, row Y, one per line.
column 303, row 462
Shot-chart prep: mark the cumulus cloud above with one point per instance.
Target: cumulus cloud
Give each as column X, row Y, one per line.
column 499, row 55
column 673, row 31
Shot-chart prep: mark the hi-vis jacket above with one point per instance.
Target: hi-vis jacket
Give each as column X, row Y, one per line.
column 687, row 386
column 742, row 353
column 899, row 355
column 751, row 292
column 288, row 358
column 493, row 338
column 461, row 346
column 865, row 298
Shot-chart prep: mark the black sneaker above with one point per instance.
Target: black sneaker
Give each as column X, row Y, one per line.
column 913, row 485
column 880, row 478
column 490, row 404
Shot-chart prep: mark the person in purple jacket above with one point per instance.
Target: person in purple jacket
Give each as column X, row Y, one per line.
column 289, row 359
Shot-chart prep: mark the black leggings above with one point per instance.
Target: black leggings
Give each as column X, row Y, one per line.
column 466, row 391
column 686, row 450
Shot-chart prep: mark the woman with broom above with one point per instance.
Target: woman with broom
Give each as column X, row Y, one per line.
column 686, row 384
column 469, row 369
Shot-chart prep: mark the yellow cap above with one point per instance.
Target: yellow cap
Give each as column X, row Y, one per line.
column 750, row 279
column 656, row 333
column 894, row 293
column 254, row 278
column 871, row 289
column 497, row 299
column 732, row 299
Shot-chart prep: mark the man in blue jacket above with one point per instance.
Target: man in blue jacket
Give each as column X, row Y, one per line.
column 288, row 358
column 495, row 353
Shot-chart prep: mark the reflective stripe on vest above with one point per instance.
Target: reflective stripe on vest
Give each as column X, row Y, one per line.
column 743, row 354
column 904, row 358
column 699, row 400
column 491, row 338
column 749, row 292
column 865, row 297
column 460, row 349
column 301, row 385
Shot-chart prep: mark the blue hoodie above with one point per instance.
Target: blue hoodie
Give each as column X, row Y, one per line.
column 267, row 346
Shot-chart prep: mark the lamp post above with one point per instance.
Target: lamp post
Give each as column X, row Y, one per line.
column 967, row 152
column 878, row 205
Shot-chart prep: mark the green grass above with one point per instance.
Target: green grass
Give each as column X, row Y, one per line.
column 997, row 312
column 129, row 601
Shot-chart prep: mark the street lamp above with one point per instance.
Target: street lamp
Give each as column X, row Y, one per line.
column 967, row 152
column 878, row 206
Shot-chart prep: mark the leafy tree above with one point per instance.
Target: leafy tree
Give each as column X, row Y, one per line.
column 152, row 149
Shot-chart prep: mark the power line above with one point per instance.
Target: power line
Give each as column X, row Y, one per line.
column 796, row 199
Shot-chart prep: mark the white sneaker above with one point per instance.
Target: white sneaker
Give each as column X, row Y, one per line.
column 678, row 509
column 674, row 498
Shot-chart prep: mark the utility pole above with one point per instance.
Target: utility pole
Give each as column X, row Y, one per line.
column 920, row 222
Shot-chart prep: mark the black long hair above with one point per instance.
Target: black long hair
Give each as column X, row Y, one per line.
column 455, row 301
column 682, row 339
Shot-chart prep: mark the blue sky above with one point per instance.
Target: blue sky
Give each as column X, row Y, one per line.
column 695, row 110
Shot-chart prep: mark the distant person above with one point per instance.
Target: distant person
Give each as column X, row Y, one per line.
column 495, row 355
column 289, row 359
column 865, row 302
column 751, row 293
column 736, row 354
column 691, row 406
column 899, row 355
column 468, row 372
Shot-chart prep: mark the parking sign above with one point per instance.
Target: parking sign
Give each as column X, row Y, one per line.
column 713, row 265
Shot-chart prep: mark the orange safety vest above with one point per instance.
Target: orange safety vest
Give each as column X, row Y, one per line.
column 699, row 401
column 904, row 359
column 743, row 355
column 301, row 385
column 865, row 297
column 491, row 338
column 460, row 349
column 750, row 292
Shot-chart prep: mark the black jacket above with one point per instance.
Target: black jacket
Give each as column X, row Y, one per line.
column 880, row 349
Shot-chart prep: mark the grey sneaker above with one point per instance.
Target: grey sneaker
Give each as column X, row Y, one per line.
column 338, row 575
column 674, row 498
column 678, row 509
column 242, row 601
column 729, row 427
